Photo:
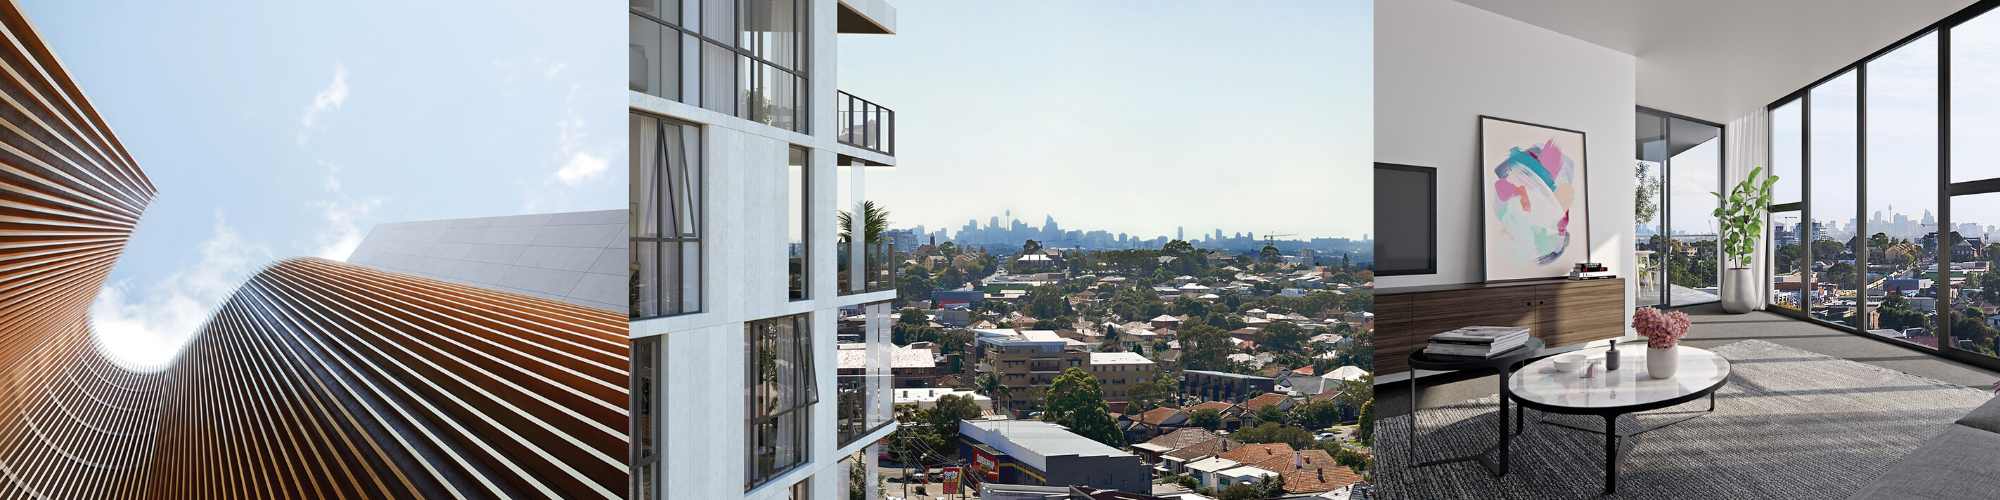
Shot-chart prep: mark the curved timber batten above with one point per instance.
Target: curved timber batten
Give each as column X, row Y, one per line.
column 315, row 379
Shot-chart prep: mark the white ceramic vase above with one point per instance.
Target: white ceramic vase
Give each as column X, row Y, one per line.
column 1661, row 363
column 1739, row 291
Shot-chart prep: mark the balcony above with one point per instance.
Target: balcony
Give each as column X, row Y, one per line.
column 878, row 271
column 866, row 125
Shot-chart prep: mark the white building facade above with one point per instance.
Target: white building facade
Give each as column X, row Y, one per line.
column 743, row 154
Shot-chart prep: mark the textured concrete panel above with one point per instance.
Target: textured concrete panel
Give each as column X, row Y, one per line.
column 541, row 255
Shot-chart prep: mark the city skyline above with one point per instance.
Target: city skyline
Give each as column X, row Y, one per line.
column 995, row 121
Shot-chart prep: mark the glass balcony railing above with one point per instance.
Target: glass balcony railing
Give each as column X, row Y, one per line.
column 866, row 125
column 878, row 271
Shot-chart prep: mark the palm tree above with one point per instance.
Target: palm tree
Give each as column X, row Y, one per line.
column 874, row 223
column 989, row 384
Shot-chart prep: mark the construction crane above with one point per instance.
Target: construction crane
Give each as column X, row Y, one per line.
column 1271, row 240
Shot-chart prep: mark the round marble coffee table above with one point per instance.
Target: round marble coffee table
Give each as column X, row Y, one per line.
column 1629, row 389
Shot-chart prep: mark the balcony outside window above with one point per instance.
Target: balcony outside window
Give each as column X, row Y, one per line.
column 866, row 125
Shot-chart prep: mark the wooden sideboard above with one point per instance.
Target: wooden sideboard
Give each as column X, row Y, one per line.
column 1560, row 312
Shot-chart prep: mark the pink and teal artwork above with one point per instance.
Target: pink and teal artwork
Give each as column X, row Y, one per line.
column 1536, row 225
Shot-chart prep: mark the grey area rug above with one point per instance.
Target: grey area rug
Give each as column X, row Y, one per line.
column 1791, row 424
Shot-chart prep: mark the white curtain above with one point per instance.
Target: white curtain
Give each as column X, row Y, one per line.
column 1747, row 146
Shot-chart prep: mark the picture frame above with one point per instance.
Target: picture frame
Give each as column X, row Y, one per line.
column 1536, row 200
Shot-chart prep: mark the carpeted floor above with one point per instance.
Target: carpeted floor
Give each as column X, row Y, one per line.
column 1791, row 424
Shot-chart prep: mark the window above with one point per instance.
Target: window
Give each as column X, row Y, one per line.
column 866, row 401
column 1901, row 113
column 1787, row 199
column 665, row 217
column 801, row 212
column 778, row 373
column 745, row 58
column 1831, row 118
column 646, row 418
column 1679, row 165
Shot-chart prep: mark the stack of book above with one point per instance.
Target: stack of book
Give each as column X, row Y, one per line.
column 1477, row 341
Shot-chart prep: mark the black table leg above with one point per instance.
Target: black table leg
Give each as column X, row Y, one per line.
column 1610, row 454
column 1413, row 419
column 1503, row 422
column 1520, row 417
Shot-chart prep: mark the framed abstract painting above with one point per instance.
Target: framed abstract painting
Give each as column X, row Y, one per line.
column 1536, row 210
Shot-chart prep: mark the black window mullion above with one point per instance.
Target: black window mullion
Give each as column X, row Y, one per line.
column 1861, row 248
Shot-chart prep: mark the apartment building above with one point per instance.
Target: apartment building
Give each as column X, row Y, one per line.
column 744, row 152
column 1023, row 360
column 1117, row 372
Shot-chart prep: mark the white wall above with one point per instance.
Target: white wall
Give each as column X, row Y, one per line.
column 1439, row 64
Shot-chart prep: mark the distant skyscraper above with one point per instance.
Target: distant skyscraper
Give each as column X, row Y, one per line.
column 1180, row 233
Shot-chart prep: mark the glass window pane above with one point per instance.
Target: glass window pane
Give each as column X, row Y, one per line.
column 1696, row 169
column 645, row 279
column 1975, row 101
column 646, row 55
column 1787, row 257
column 645, row 207
column 799, row 194
column 1648, row 238
column 1833, row 200
column 1902, row 185
column 1973, row 288
column 1788, row 152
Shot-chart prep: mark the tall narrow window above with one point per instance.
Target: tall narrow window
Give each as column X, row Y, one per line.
column 665, row 216
column 801, row 213
column 646, row 418
column 1787, row 199
column 1832, row 116
column 778, row 376
column 1902, row 182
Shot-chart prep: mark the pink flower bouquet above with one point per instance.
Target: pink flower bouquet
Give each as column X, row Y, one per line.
column 1663, row 330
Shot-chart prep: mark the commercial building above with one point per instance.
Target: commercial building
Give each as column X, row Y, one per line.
column 314, row 379
column 744, row 153
column 1036, row 453
column 1224, row 386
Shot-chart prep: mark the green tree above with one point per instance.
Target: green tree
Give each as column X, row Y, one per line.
column 912, row 326
column 857, row 479
column 1829, row 249
column 1282, row 337
column 1206, row 418
column 949, row 410
column 1645, row 206
column 1076, row 401
column 874, row 223
column 915, row 283
column 1320, row 414
column 1358, row 392
column 1270, row 255
column 1190, row 306
column 1145, row 396
column 1269, row 414
column 1205, row 347
column 1031, row 246
column 1366, row 434
column 1272, row 432
column 989, row 385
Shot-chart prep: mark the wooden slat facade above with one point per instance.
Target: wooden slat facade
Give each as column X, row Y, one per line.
column 316, row 379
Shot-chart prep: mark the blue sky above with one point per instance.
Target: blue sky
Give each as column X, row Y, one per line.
column 1127, row 116
column 276, row 129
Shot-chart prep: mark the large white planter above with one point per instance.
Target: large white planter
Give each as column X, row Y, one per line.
column 1739, row 290
column 1662, row 363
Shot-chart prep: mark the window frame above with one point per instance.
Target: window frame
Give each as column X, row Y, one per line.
column 802, row 21
column 804, row 383
column 669, row 232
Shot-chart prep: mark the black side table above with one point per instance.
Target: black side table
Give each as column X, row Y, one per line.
column 1502, row 363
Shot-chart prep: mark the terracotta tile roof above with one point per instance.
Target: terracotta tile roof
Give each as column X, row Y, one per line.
column 1207, row 448
column 1323, row 396
column 1304, row 371
column 1311, row 470
column 1218, row 406
column 1269, row 398
column 1158, row 416
column 1183, row 438
column 1254, row 453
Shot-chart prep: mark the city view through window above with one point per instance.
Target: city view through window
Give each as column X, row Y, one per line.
column 1095, row 265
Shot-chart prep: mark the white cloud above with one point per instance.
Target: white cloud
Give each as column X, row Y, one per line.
column 326, row 100
column 146, row 331
column 581, row 162
column 342, row 234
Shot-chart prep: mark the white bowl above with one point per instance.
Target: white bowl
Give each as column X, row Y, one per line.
column 1569, row 362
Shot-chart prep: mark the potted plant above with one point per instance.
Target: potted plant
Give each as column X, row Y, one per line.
column 1742, row 219
column 1663, row 332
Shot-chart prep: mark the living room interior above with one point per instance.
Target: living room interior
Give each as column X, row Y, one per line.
column 1826, row 328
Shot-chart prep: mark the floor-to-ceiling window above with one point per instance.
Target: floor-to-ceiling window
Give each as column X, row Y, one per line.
column 1832, row 117
column 647, row 420
column 779, row 376
column 1679, row 164
column 800, row 213
column 1787, row 250
column 665, row 197
column 745, row 58
column 1968, row 289
column 1909, row 132
column 1901, row 185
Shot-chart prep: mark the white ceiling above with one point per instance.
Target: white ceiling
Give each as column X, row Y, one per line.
column 1719, row 59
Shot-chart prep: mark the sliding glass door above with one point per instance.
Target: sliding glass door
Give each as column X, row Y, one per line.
column 1679, row 166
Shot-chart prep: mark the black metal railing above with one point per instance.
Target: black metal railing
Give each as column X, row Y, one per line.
column 866, row 125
